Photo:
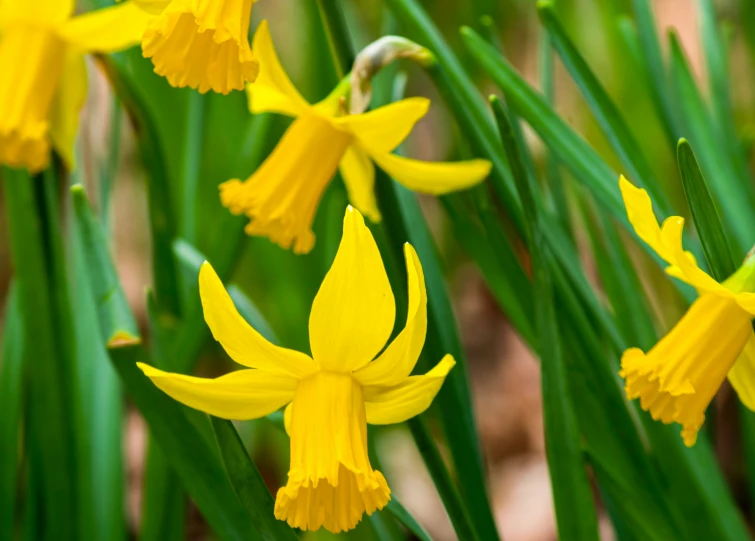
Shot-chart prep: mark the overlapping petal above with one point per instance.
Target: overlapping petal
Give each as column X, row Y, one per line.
column 273, row 91
column 241, row 395
column 434, row 178
column 106, row 30
column 742, row 375
column 242, row 343
column 354, row 310
column 66, row 107
column 388, row 405
column 399, row 358
column 358, row 174
column 385, row 128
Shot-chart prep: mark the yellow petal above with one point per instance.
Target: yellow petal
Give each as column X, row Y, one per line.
column 203, row 45
column 106, row 30
column 354, row 310
column 676, row 380
column 66, row 109
column 396, row 404
column 331, row 482
column 242, row 343
column 155, row 7
column 273, row 91
column 435, row 178
column 32, row 61
column 665, row 241
column 240, row 395
column 385, row 128
column 42, row 12
column 282, row 196
column 742, row 375
column 398, row 360
column 358, row 174
column 287, row 418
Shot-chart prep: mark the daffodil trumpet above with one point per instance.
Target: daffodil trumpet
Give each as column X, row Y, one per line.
column 350, row 380
column 677, row 379
column 282, row 196
column 43, row 81
column 200, row 44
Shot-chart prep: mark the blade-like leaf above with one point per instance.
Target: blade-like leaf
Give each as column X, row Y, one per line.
column 572, row 494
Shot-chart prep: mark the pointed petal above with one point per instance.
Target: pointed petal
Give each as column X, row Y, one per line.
column 240, row 395
column 273, row 91
column 155, row 7
column 435, row 178
column 385, row 128
column 242, row 343
column 287, row 417
column 39, row 11
column 358, row 174
column 742, row 375
column 354, row 310
column 747, row 302
column 106, row 30
column 66, row 108
column 389, row 405
column 398, row 360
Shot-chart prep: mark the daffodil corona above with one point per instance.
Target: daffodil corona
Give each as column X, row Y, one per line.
column 201, row 44
column 331, row 395
column 282, row 196
column 43, row 79
column 677, row 379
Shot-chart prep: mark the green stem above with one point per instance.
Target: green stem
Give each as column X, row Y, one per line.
column 337, row 32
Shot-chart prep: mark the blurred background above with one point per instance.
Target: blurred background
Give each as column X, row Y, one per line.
column 504, row 374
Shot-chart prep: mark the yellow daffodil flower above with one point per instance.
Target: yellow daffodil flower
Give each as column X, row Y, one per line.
column 677, row 379
column 43, row 79
column 282, row 196
column 332, row 395
column 202, row 44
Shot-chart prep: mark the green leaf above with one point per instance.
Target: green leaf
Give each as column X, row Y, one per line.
column 442, row 480
column 114, row 314
column 248, row 483
column 704, row 214
column 181, row 435
column 36, row 251
column 572, row 493
column 603, row 107
column 404, row 517
column 12, row 391
column 736, row 204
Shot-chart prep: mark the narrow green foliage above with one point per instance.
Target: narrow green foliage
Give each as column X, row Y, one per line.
column 38, row 270
column 248, row 483
column 434, row 462
column 603, row 107
column 704, row 213
column 12, row 390
column 736, row 206
column 572, row 494
column 337, row 33
column 191, row 165
column 404, row 517
column 114, row 313
column 182, row 435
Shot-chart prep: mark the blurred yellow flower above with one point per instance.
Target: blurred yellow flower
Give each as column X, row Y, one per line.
column 332, row 395
column 43, row 79
column 282, row 196
column 677, row 379
column 202, row 44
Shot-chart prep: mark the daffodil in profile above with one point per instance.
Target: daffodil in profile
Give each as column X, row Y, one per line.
column 677, row 379
column 282, row 196
column 43, row 80
column 350, row 380
column 201, row 44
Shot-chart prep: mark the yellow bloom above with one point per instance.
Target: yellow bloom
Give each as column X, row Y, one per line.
column 281, row 197
column 332, row 395
column 202, row 44
column 43, row 76
column 677, row 379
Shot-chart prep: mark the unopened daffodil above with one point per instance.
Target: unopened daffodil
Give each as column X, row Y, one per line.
column 350, row 380
column 43, row 80
column 201, row 44
column 282, row 196
column 677, row 379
